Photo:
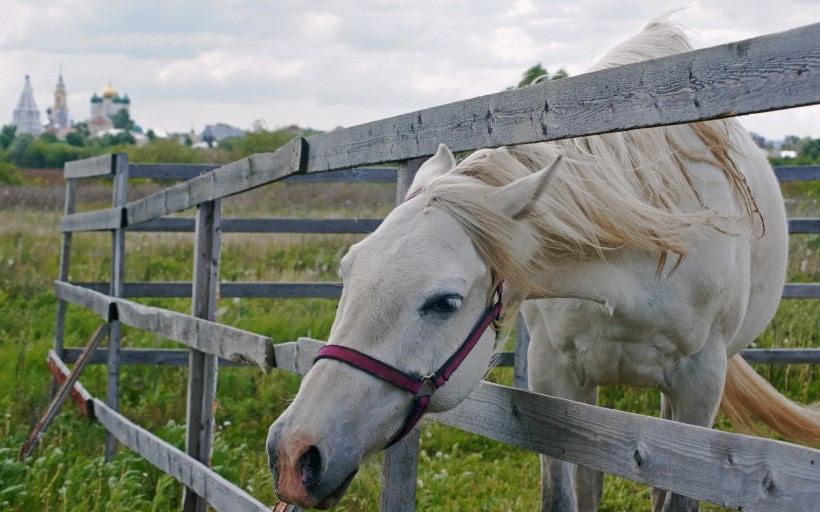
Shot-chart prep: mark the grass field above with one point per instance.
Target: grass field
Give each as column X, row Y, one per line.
column 457, row 471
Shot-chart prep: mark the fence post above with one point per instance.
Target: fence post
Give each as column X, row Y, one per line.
column 202, row 367
column 65, row 259
column 400, row 465
column 119, row 167
column 522, row 343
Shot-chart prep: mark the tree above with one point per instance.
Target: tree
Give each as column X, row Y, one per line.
column 7, row 135
column 48, row 138
column 19, row 147
column 122, row 120
column 75, row 139
column 537, row 74
column 82, row 129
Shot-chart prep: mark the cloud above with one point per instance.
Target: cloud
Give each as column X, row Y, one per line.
column 342, row 61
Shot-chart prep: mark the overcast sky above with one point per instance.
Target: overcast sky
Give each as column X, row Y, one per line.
column 324, row 64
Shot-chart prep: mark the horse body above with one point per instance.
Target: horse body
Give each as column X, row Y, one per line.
column 649, row 258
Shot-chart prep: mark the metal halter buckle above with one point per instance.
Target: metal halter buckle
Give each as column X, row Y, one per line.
column 428, row 387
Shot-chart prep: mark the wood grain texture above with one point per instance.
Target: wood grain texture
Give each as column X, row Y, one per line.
column 183, row 172
column 801, row 291
column 112, row 388
column 756, row 75
column 240, row 176
column 99, row 303
column 797, row 173
column 270, row 225
column 731, row 470
column 209, row 337
column 63, row 392
column 782, row 355
column 94, row 167
column 399, row 475
column 804, row 225
column 221, row 494
column 145, row 356
column 65, row 264
column 78, row 394
column 180, row 172
column 97, row 220
column 202, row 366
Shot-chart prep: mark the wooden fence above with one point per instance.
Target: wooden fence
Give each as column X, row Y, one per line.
column 766, row 73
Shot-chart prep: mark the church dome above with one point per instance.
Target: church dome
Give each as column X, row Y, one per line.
column 109, row 92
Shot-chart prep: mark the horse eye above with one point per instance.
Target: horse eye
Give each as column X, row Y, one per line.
column 441, row 304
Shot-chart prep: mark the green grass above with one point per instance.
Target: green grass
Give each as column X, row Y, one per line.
column 457, row 471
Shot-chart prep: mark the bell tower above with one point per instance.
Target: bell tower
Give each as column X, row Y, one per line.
column 59, row 112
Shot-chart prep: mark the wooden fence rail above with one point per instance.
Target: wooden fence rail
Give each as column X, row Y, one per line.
column 765, row 73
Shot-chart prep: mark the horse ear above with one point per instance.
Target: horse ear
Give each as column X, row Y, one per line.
column 437, row 165
column 517, row 200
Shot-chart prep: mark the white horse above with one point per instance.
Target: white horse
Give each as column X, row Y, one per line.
column 648, row 258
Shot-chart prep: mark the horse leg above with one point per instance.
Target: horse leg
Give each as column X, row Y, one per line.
column 564, row 486
column 693, row 398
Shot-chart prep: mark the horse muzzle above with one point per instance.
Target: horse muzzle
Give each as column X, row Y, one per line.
column 303, row 473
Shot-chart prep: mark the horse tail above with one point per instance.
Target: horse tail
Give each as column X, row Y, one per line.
column 748, row 397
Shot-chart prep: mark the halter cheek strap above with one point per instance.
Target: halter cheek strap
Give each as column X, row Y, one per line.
column 422, row 388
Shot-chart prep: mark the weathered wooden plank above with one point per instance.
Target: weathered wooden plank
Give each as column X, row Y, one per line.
column 240, row 176
column 216, row 339
column 801, row 291
column 504, row 359
column 97, row 220
column 399, row 475
column 756, row 75
column 306, row 349
column 65, row 263
column 144, row 356
column 202, row 367
column 93, row 167
column 282, row 290
column 112, row 387
column 78, row 394
column 228, row 289
column 804, row 225
column 522, row 344
column 218, row 492
column 58, row 399
column 166, row 225
column 797, row 173
column 753, row 473
column 284, row 356
column 169, row 171
column 289, row 225
column 355, row 175
column 782, row 355
column 99, row 303
column 270, row 225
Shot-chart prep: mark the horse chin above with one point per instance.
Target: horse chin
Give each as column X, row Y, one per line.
column 329, row 501
column 333, row 499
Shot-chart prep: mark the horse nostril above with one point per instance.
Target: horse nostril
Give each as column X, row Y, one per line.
column 310, row 467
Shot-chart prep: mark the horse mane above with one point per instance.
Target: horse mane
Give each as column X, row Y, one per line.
column 617, row 190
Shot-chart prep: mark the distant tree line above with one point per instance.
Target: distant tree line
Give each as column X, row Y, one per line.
column 23, row 150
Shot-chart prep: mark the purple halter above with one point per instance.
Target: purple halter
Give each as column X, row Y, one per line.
column 422, row 388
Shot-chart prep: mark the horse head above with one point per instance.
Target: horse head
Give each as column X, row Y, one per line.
column 414, row 291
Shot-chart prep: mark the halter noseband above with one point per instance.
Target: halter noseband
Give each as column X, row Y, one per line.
column 422, row 388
